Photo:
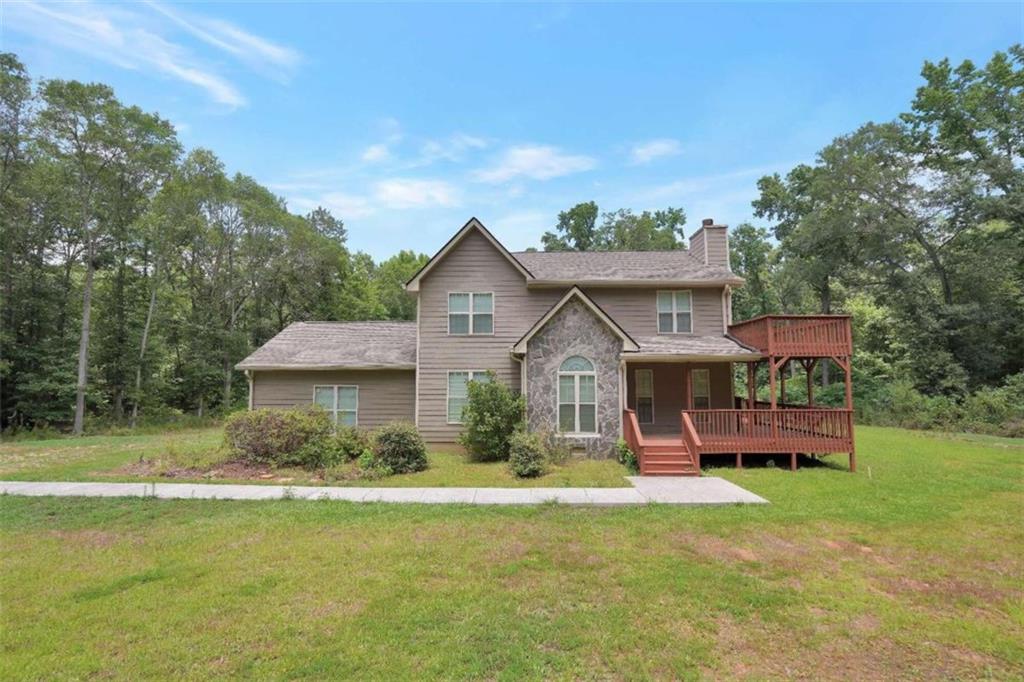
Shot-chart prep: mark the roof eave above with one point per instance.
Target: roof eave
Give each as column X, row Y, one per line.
column 276, row 367
column 691, row 357
column 548, row 283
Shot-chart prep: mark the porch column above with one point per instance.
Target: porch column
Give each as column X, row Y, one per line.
column 771, row 380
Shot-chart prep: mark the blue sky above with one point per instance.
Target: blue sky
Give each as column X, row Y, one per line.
column 407, row 119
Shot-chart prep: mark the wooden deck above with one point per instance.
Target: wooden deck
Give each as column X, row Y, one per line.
column 799, row 336
column 792, row 431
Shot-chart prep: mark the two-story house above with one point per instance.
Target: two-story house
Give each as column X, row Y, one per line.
column 603, row 345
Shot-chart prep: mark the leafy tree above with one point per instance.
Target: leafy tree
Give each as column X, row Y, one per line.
column 751, row 255
column 389, row 284
column 575, row 231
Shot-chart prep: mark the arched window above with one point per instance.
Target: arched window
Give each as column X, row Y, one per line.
column 577, row 396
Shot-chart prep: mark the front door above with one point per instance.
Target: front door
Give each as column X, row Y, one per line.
column 644, row 396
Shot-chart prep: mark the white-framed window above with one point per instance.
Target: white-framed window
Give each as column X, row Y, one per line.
column 341, row 402
column 458, row 390
column 644, row 380
column 675, row 312
column 470, row 313
column 700, row 380
column 577, row 396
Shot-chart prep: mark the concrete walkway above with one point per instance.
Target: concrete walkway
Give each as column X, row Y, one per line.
column 665, row 490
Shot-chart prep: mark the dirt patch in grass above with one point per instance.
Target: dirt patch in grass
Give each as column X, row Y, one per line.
column 854, row 650
column 87, row 537
column 226, row 470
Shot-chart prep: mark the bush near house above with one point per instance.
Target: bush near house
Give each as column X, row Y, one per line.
column 489, row 419
column 275, row 437
column 344, row 445
column 627, row 457
column 399, row 448
column 527, row 454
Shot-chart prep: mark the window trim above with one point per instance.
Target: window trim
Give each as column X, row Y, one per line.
column 636, row 393
column 448, row 388
column 470, row 313
column 675, row 310
column 693, row 395
column 336, row 411
column 559, row 373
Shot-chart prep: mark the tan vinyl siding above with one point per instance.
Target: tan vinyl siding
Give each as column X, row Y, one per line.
column 473, row 265
column 635, row 309
column 384, row 395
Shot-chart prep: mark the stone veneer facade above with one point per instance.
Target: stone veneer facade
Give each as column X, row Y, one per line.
column 574, row 330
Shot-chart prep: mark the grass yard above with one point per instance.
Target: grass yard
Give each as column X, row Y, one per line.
column 198, row 456
column 912, row 568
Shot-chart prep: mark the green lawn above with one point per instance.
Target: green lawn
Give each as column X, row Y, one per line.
column 912, row 568
column 116, row 458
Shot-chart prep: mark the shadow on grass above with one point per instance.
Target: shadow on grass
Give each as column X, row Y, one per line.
column 775, row 461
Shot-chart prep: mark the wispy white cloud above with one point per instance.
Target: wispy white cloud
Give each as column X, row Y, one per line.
column 232, row 39
column 414, row 193
column 376, row 153
column 452, row 148
column 119, row 35
column 536, row 162
column 654, row 149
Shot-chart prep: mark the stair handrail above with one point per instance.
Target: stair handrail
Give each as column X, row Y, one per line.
column 633, row 436
column 692, row 439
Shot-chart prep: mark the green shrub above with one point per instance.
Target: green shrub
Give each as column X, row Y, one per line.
column 626, row 456
column 331, row 449
column 371, row 467
column 526, row 454
column 556, row 449
column 275, row 436
column 399, row 447
column 489, row 419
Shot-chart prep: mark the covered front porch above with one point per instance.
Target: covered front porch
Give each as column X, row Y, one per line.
column 678, row 410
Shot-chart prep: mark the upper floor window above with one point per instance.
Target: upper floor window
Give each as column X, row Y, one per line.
column 470, row 313
column 675, row 312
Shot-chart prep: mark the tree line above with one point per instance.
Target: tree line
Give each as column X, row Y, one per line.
column 135, row 275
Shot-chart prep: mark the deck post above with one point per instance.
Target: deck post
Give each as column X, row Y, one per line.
column 849, row 384
column 771, row 380
column 751, row 384
column 739, row 460
column 809, row 366
column 792, row 461
column 782, row 382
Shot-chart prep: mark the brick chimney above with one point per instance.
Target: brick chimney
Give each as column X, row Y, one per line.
column 710, row 244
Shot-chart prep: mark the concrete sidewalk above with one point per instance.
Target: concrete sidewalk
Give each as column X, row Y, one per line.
column 664, row 490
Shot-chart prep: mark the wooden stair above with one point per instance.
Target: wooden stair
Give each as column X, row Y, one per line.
column 667, row 459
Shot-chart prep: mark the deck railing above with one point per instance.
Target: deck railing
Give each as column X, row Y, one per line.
column 807, row 430
column 633, row 437
column 796, row 335
column 692, row 439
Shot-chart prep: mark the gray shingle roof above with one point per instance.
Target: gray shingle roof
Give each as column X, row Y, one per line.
column 617, row 266
column 684, row 344
column 338, row 345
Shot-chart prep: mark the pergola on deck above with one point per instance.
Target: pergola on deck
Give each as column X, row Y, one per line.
column 773, row 426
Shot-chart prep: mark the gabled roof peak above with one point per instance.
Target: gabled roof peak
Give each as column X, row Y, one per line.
column 628, row 344
column 472, row 225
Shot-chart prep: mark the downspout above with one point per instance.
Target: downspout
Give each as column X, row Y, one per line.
column 252, row 379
